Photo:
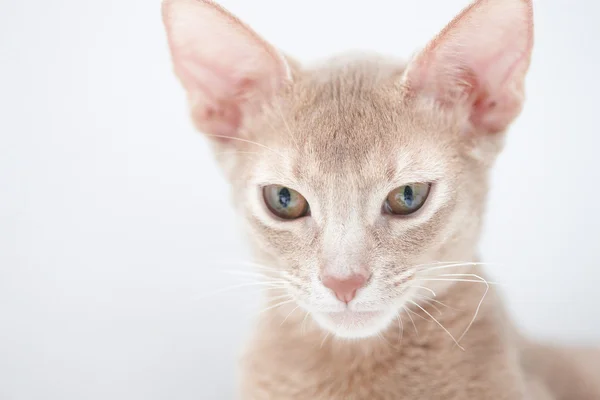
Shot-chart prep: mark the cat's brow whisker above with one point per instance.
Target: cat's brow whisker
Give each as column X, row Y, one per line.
column 287, row 127
column 439, row 323
column 247, row 141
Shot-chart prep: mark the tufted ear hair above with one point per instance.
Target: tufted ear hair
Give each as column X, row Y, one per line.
column 478, row 61
column 225, row 67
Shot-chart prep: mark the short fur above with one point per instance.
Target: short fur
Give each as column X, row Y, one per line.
column 344, row 134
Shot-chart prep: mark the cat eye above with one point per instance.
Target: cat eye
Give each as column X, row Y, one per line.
column 284, row 202
column 407, row 199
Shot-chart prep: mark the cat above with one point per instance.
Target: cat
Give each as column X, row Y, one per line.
column 361, row 183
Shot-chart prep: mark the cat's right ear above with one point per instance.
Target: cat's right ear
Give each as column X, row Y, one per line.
column 225, row 67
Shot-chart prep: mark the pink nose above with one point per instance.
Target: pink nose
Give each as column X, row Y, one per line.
column 344, row 289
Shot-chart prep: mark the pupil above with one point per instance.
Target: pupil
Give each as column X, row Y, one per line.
column 408, row 196
column 284, row 197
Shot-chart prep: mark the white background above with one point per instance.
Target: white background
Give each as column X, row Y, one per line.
column 113, row 216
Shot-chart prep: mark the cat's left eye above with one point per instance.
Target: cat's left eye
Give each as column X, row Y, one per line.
column 407, row 199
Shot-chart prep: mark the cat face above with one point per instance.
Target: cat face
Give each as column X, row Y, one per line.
column 361, row 180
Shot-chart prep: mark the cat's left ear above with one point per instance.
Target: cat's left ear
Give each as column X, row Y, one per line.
column 225, row 67
column 478, row 62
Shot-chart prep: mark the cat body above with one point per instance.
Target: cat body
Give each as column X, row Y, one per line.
column 361, row 184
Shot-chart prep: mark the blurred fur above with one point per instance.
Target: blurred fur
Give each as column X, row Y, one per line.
column 344, row 134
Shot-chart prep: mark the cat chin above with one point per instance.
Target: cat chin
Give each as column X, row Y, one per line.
column 355, row 325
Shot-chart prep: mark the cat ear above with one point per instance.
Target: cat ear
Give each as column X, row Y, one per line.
column 479, row 61
column 224, row 66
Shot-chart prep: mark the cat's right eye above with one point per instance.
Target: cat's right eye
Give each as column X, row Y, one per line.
column 284, row 202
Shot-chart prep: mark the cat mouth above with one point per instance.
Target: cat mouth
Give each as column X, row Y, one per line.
column 353, row 324
column 349, row 323
column 348, row 316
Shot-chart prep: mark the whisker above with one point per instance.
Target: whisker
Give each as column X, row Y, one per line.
column 400, row 325
column 411, row 319
column 247, row 141
column 269, row 284
column 324, row 339
column 456, row 280
column 303, row 324
column 235, row 152
column 438, row 322
column 384, row 339
column 438, row 302
column 417, row 314
column 432, row 306
column 291, row 312
column 422, row 287
column 460, row 264
column 244, row 273
column 248, row 263
column 275, row 306
column 287, row 127
column 487, row 288
column 433, row 263
column 283, row 296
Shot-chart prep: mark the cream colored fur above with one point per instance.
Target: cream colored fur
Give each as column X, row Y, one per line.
column 344, row 134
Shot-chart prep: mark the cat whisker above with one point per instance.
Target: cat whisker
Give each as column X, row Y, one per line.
column 267, row 285
column 411, row 319
column 287, row 127
column 434, row 263
column 422, row 287
column 487, row 288
column 401, row 326
column 247, row 141
column 244, row 273
column 291, row 312
column 250, row 264
column 384, row 339
column 430, row 304
column 303, row 324
column 455, row 280
column 281, row 303
column 457, row 265
column 219, row 153
column 283, row 296
column 439, row 323
column 438, row 302
column 324, row 339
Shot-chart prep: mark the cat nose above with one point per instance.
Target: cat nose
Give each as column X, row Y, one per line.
column 344, row 288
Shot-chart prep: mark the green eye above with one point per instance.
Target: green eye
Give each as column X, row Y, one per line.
column 407, row 199
column 284, row 202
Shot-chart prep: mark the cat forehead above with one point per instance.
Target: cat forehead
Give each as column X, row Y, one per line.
column 351, row 118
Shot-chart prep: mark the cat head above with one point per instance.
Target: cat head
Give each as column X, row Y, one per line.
column 358, row 178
